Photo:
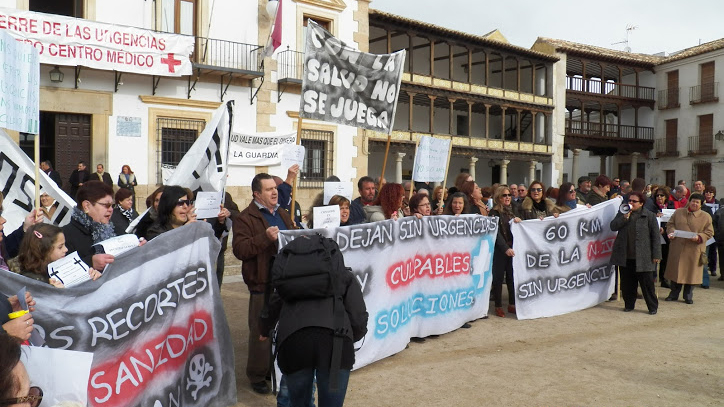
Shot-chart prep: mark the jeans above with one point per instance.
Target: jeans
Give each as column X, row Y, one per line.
column 705, row 278
column 283, row 394
column 300, row 388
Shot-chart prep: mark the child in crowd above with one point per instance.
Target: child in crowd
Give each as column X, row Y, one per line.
column 43, row 244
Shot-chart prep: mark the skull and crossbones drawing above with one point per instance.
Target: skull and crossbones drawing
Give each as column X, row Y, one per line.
column 198, row 368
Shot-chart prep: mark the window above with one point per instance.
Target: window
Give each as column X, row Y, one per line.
column 71, row 8
column 706, row 134
column 701, row 170
column 671, row 135
column 318, row 158
column 178, row 16
column 670, row 177
column 323, row 22
column 175, row 138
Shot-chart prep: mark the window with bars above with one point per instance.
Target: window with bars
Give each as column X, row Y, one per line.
column 175, row 138
column 318, row 162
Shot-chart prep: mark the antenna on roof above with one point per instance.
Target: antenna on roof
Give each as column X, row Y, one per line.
column 629, row 28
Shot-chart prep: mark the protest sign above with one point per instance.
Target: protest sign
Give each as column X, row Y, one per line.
column 154, row 322
column 563, row 264
column 337, row 188
column 116, row 245
column 431, row 159
column 208, row 204
column 62, row 374
column 345, row 86
column 71, row 41
column 69, row 270
column 419, row 277
column 259, row 149
column 17, row 183
column 293, row 154
column 326, row 217
column 20, row 78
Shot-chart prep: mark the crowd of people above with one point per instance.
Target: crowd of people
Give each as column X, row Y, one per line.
column 674, row 252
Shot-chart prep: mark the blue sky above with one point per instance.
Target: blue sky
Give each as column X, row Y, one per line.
column 663, row 25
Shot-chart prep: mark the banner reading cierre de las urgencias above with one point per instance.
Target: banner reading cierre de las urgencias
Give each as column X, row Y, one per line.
column 419, row 277
column 346, row 86
column 562, row 264
column 154, row 322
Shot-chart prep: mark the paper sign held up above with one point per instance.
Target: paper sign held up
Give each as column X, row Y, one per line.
column 337, row 188
column 326, row 217
column 292, row 154
column 431, row 159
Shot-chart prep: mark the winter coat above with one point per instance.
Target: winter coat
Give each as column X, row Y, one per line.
column 560, row 209
column 527, row 211
column 373, row 213
column 252, row 246
column 648, row 241
column 718, row 224
column 79, row 238
column 683, row 265
column 501, row 261
column 595, row 198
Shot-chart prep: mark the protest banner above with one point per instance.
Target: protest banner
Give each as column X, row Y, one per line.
column 431, row 159
column 20, row 77
column 419, row 277
column 154, row 322
column 562, row 264
column 71, row 41
column 258, row 150
column 17, row 183
column 346, row 86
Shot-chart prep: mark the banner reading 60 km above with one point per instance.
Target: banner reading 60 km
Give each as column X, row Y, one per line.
column 419, row 277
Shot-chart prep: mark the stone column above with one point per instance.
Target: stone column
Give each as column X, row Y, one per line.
column 531, row 171
column 574, row 166
column 471, row 164
column 602, row 170
column 634, row 165
column 504, row 171
column 398, row 167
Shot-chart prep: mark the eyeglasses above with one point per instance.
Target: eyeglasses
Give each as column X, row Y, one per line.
column 506, row 195
column 104, row 204
column 187, row 202
column 34, row 397
column 662, row 195
column 632, row 201
column 536, row 190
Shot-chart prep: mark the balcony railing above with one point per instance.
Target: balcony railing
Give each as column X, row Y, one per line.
column 290, row 65
column 609, row 130
column 666, row 147
column 704, row 93
column 226, row 54
column 596, row 86
column 668, row 99
column 701, row 145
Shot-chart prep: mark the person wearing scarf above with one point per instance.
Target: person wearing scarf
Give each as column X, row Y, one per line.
column 123, row 212
column 90, row 223
column 503, row 254
column 534, row 206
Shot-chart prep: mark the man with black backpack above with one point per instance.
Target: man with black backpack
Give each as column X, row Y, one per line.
column 321, row 313
column 255, row 243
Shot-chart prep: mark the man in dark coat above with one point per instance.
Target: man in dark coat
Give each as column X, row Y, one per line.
column 102, row 176
column 78, row 177
column 54, row 175
column 255, row 231
column 367, row 195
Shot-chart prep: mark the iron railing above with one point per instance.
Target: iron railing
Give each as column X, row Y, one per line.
column 609, row 130
column 666, row 147
column 290, row 64
column 707, row 92
column 668, row 98
column 226, row 54
column 609, row 88
column 701, row 145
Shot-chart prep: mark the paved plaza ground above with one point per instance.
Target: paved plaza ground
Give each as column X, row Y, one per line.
column 596, row 357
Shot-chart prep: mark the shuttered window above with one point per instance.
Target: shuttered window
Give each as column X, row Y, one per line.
column 671, row 135
column 707, row 81
column 706, row 133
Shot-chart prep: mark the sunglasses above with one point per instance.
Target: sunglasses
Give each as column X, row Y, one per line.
column 104, row 204
column 661, row 195
column 187, row 202
column 506, row 195
column 536, row 190
column 34, row 397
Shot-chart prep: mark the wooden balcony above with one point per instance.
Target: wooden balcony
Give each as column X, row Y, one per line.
column 704, row 93
column 701, row 145
column 609, row 88
column 489, row 145
column 665, row 148
column 668, row 99
column 609, row 130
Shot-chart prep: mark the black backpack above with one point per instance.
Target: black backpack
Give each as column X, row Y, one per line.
column 307, row 268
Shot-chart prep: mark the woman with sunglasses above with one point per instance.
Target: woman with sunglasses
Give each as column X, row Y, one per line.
column 637, row 251
column 566, row 199
column 535, row 206
column 15, row 389
column 175, row 209
column 656, row 204
column 503, row 254
column 90, row 223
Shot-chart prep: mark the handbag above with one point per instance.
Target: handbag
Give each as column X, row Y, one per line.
column 703, row 258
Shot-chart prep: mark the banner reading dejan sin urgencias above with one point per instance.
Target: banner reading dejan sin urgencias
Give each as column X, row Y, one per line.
column 419, row 277
column 345, row 86
column 154, row 323
column 562, row 264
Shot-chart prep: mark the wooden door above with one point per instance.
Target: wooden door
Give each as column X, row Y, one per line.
column 703, row 172
column 707, row 81
column 706, row 133
column 672, row 128
column 672, row 93
column 72, row 144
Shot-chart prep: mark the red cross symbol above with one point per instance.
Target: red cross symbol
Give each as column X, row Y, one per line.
column 171, row 62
